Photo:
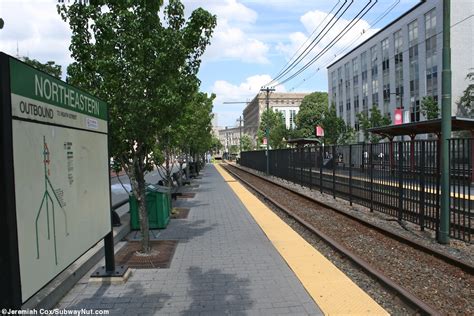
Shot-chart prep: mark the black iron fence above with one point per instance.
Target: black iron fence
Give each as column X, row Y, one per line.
column 401, row 179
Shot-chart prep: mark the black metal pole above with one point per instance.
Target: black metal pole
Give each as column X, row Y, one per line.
column 422, row 186
column 400, row 181
column 371, row 170
column 334, row 171
column 321, row 162
column 109, row 238
column 350, row 175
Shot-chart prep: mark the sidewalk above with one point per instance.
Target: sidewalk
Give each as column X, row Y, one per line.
column 223, row 264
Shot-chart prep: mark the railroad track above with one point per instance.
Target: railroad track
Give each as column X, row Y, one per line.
column 428, row 281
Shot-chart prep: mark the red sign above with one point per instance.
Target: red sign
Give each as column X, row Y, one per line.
column 319, row 131
column 264, row 140
column 398, row 116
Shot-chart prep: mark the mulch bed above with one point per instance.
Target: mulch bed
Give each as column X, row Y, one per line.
column 187, row 195
column 162, row 252
column 180, row 213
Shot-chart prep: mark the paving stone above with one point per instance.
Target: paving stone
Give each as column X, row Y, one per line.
column 223, row 265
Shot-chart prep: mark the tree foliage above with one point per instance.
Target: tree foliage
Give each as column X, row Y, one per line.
column 49, row 67
column 376, row 119
column 144, row 68
column 246, row 143
column 466, row 102
column 276, row 124
column 216, row 144
column 334, row 127
column 429, row 108
column 311, row 113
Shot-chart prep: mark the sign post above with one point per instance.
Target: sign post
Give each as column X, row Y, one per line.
column 54, row 177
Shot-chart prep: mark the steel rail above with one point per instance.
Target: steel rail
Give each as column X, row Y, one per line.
column 404, row 294
column 466, row 267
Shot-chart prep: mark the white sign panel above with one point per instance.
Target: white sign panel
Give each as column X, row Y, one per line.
column 61, row 173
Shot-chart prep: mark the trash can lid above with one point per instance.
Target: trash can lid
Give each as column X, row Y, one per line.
column 150, row 187
column 157, row 188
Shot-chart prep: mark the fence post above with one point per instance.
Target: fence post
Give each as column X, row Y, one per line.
column 371, row 169
column 350, row 175
column 310, row 168
column 301, row 164
column 422, row 186
column 400, row 181
column 334, row 171
column 321, row 162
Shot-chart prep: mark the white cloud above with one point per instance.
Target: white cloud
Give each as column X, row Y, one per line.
column 242, row 92
column 311, row 20
column 232, row 43
column 230, row 40
column 36, row 29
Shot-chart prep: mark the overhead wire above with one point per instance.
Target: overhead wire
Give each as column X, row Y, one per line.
column 313, row 43
column 329, row 60
column 307, row 40
column 346, row 29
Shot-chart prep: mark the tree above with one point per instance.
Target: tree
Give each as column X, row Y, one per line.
column 49, row 67
column 278, row 131
column 216, row 144
column 311, row 113
column 429, row 108
column 466, row 102
column 144, row 68
column 246, row 143
column 376, row 119
column 333, row 126
column 234, row 149
column 347, row 136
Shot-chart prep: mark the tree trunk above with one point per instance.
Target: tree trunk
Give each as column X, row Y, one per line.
column 138, row 185
column 168, row 167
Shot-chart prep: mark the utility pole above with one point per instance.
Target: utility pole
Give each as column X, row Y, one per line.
column 240, row 120
column 443, row 235
column 240, row 133
column 267, row 128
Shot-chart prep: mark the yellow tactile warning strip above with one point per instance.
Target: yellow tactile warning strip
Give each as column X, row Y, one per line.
column 331, row 289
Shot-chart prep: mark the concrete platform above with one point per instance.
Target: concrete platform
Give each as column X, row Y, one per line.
column 224, row 264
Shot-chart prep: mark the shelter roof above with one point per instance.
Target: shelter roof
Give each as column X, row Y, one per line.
column 303, row 141
column 423, row 127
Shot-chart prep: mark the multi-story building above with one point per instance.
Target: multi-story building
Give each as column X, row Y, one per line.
column 286, row 103
column 229, row 136
column 402, row 63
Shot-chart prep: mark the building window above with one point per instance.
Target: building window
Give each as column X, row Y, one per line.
column 355, row 83
column 373, row 61
column 430, row 23
column 375, row 92
column 431, row 55
column 414, row 71
column 334, row 85
column 413, row 33
column 365, row 86
column 398, row 40
column 283, row 114
column 292, row 119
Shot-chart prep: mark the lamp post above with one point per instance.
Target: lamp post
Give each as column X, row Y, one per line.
column 443, row 236
column 267, row 128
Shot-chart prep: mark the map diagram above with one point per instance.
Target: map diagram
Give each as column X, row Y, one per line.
column 52, row 199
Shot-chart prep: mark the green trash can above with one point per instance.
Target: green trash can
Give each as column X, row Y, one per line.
column 158, row 202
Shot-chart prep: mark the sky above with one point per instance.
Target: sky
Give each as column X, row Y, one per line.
column 253, row 41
